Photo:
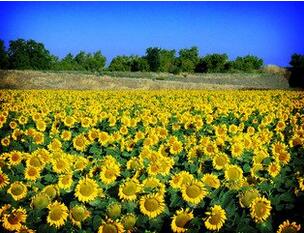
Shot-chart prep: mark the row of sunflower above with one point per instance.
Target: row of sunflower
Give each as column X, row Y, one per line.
column 151, row 161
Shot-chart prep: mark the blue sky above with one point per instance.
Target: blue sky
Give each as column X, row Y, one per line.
column 270, row 30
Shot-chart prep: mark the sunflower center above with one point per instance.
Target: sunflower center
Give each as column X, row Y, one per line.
column 109, row 174
column 15, row 157
column 193, row 191
column 181, row 220
column 220, row 161
column 233, row 173
column 65, row 180
column 56, row 214
column 151, row 204
column 35, row 162
column 86, row 189
column 32, row 172
column 129, row 189
column 260, row 209
column 13, row 219
column 17, row 189
column 109, row 228
column 215, row 219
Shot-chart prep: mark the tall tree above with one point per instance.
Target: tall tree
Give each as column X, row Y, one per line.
column 153, row 58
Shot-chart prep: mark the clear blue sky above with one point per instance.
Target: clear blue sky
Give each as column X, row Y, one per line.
column 270, row 30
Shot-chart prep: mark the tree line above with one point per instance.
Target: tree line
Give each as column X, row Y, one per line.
column 29, row 54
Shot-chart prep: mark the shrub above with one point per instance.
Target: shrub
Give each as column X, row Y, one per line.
column 248, row 63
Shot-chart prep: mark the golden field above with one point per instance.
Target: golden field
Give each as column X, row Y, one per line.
column 151, row 161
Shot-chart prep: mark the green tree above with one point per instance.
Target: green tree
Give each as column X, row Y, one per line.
column 138, row 64
column 90, row 62
column 29, row 55
column 213, row 63
column 247, row 63
column 120, row 63
column 188, row 59
column 167, row 59
column 153, row 58
column 3, row 56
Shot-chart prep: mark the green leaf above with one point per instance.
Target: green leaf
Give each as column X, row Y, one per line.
column 96, row 222
column 246, row 167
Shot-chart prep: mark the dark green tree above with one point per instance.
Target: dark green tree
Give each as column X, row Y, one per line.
column 3, row 56
column 167, row 60
column 138, row 64
column 29, row 55
column 153, row 58
column 297, row 70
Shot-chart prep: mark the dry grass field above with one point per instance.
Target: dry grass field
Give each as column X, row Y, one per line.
column 147, row 81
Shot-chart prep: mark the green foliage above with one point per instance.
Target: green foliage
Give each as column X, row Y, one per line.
column 248, row 63
column 153, row 58
column 28, row 55
column 188, row 59
column 213, row 63
column 297, row 70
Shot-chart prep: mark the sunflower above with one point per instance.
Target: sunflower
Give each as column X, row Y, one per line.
column 61, row 165
column 219, row 161
column 274, row 169
column 287, row 227
column 216, row 218
column 58, row 214
column 65, row 181
column 237, row 150
column 233, row 173
column 40, row 201
column 283, row 157
column 103, row 138
column 111, row 226
column 69, row 121
column 194, row 192
column 176, row 147
column 86, row 190
column 151, row 205
column 109, row 174
column 31, row 173
column 38, row 138
column 260, row 209
column 80, row 143
column 129, row 221
column 25, row 229
column 246, row 197
column 180, row 220
column 41, row 125
column 51, row 190
column 80, row 163
column 79, row 214
column 4, row 180
column 15, row 158
column 114, row 210
column 129, row 189
column 211, row 180
column 55, row 145
column 14, row 220
column 66, row 135
column 18, row 190
column 5, row 141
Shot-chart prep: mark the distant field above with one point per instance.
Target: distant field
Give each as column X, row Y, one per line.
column 137, row 80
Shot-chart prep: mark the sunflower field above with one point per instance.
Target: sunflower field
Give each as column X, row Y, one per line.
column 151, row 161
